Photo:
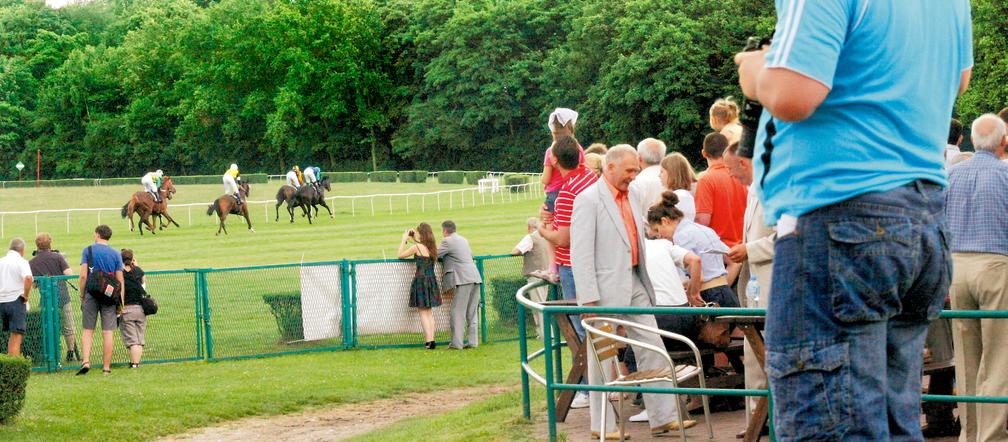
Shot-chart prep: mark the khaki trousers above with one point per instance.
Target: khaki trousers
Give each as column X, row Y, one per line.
column 980, row 282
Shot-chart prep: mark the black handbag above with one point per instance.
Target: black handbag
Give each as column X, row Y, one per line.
column 148, row 304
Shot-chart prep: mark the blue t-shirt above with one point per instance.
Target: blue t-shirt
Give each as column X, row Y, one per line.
column 104, row 258
column 893, row 68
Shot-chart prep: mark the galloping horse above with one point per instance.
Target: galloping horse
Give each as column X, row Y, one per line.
column 144, row 205
column 286, row 194
column 308, row 198
column 226, row 204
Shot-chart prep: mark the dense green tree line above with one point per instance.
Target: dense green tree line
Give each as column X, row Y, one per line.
column 116, row 87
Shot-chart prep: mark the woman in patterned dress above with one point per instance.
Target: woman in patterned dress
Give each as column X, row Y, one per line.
column 424, row 293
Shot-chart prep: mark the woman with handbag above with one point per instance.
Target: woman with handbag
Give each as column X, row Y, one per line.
column 134, row 322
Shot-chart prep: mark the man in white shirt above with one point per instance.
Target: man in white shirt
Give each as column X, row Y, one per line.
column 954, row 139
column 15, row 285
column 648, row 183
column 535, row 253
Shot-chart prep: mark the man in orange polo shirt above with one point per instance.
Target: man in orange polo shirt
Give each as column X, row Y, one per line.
column 720, row 198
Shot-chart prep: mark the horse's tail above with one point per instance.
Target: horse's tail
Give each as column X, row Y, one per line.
column 123, row 212
column 281, row 195
column 213, row 207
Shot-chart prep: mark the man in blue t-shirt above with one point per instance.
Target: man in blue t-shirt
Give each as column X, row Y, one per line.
column 103, row 258
column 857, row 97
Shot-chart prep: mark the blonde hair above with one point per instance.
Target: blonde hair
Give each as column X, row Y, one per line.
column 595, row 162
column 679, row 173
column 597, row 148
column 724, row 111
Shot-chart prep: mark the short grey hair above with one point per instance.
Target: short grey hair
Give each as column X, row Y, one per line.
column 651, row 151
column 533, row 223
column 988, row 132
column 616, row 153
column 17, row 245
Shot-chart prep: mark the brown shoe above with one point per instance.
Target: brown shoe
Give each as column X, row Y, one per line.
column 672, row 426
column 610, row 436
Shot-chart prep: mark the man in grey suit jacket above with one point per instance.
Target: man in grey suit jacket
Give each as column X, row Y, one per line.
column 460, row 274
column 607, row 258
column 755, row 253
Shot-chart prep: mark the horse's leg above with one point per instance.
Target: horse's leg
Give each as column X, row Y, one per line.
column 323, row 203
column 277, row 208
column 223, row 214
column 171, row 220
column 290, row 211
column 149, row 220
column 248, row 220
column 129, row 214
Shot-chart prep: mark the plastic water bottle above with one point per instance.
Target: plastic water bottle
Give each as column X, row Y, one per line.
column 752, row 292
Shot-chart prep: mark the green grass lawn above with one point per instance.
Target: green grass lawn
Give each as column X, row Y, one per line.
column 493, row 224
column 159, row 400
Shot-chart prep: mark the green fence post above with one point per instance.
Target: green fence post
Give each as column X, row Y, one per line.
column 197, row 294
column 523, row 346
column 548, row 356
column 345, row 308
column 45, row 287
column 353, row 302
column 205, row 292
column 55, row 333
column 483, row 324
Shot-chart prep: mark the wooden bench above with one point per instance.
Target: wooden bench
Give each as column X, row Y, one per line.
column 727, row 380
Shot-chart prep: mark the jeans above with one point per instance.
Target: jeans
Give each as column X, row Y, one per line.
column 567, row 287
column 855, row 287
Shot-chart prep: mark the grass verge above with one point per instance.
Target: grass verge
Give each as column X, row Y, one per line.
column 158, row 400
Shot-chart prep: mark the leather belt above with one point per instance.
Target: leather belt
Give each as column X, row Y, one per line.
column 716, row 282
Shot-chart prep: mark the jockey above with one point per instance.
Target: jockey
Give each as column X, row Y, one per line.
column 300, row 176
column 152, row 184
column 230, row 187
column 312, row 175
column 292, row 178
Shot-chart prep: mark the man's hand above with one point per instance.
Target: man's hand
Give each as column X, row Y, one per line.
column 546, row 215
column 588, row 315
column 749, row 66
column 738, row 253
column 695, row 299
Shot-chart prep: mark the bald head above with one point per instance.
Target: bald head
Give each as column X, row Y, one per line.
column 989, row 133
column 651, row 151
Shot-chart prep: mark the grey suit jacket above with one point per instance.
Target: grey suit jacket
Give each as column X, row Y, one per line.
column 600, row 248
column 457, row 262
column 759, row 240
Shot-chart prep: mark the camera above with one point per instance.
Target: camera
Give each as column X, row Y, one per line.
column 751, row 109
column 412, row 233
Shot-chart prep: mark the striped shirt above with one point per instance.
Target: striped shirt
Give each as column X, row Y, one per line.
column 574, row 183
column 976, row 205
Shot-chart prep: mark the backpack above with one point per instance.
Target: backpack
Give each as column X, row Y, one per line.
column 102, row 286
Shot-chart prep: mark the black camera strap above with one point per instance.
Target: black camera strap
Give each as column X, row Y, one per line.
column 768, row 148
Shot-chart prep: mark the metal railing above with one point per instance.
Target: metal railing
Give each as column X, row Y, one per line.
column 552, row 378
column 250, row 312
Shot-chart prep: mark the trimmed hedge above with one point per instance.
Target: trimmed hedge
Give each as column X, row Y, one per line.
column 286, row 308
column 254, row 178
column 502, row 298
column 383, row 176
column 347, row 177
column 473, row 177
column 451, row 177
column 514, row 179
column 14, row 374
column 413, row 176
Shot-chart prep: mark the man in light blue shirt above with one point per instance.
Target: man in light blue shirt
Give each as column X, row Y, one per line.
column 857, row 94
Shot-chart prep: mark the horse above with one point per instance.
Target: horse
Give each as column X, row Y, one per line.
column 143, row 204
column 286, row 194
column 226, row 204
column 308, row 198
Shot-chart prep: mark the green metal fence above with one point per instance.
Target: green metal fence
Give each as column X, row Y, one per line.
column 551, row 352
column 246, row 312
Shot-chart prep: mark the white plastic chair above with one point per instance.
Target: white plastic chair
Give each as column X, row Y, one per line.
column 605, row 344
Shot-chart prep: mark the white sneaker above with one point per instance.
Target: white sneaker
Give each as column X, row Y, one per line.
column 580, row 400
column 639, row 417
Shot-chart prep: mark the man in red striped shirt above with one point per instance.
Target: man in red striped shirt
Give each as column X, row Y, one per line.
column 556, row 225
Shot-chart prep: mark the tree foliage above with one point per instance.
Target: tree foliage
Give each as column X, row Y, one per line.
column 119, row 87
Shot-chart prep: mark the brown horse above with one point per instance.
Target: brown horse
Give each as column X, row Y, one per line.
column 144, row 205
column 226, row 204
column 285, row 195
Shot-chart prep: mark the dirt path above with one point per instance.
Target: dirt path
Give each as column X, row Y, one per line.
column 342, row 421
